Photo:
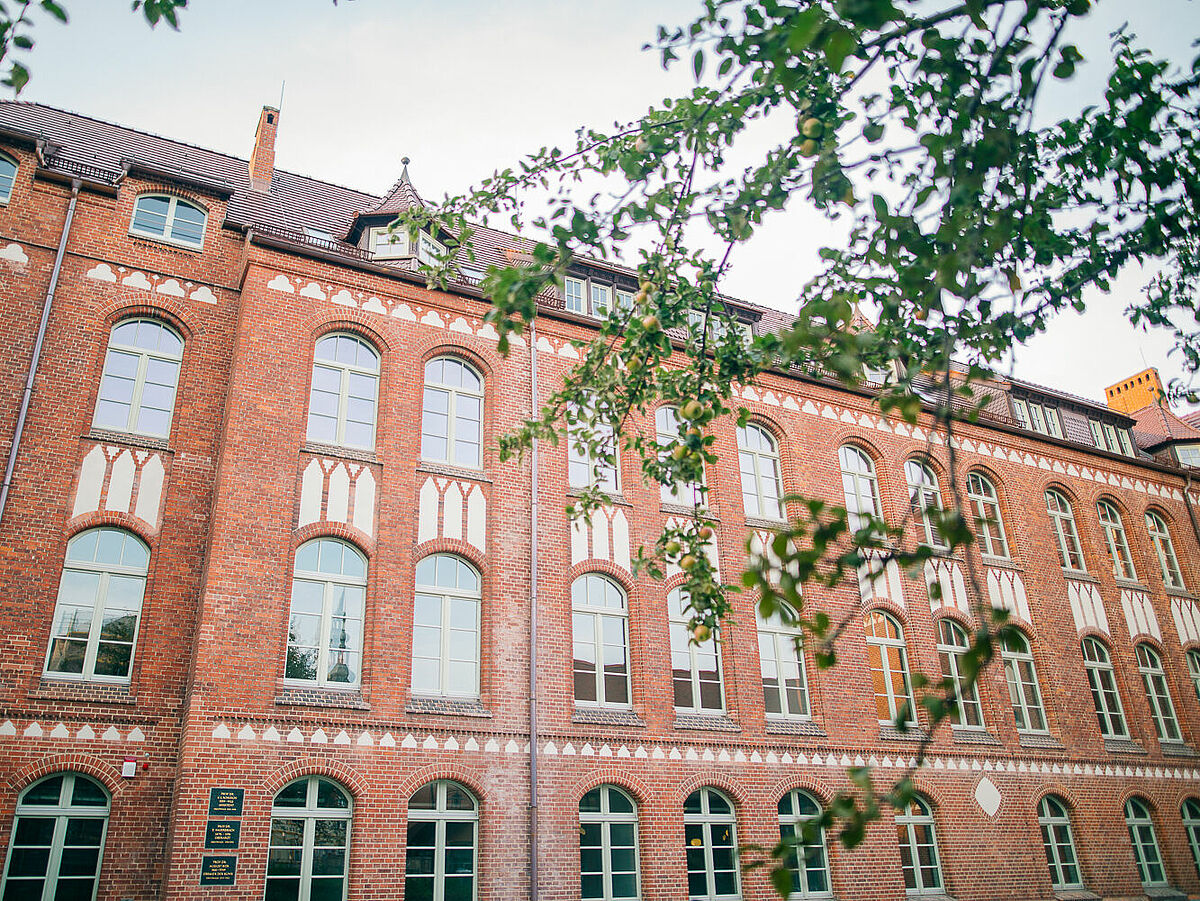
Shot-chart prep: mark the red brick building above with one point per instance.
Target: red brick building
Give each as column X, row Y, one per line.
column 266, row 588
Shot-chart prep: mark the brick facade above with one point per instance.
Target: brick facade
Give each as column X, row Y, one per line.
column 225, row 501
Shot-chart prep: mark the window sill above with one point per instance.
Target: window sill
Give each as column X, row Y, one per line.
column 961, row 736
column 447, row 707
column 606, row 716
column 1163, row 893
column 674, row 509
column 712, row 722
column 449, row 469
column 1075, row 894
column 888, row 732
column 763, row 522
column 1130, row 584
column 785, row 726
column 1176, row 749
column 1001, row 562
column 614, row 497
column 52, row 689
column 314, row 696
column 130, row 438
column 336, row 450
column 1039, row 740
column 1178, row 593
column 1124, row 746
column 1079, row 575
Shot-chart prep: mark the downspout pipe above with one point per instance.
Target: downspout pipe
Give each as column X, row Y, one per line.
column 1187, row 502
column 27, row 394
column 533, row 622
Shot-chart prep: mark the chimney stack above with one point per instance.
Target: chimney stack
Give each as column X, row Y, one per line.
column 262, row 160
column 1143, row 389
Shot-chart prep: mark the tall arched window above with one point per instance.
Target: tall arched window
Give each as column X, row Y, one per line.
column 345, row 385
column 99, row 604
column 758, row 460
column 608, row 844
column 452, row 413
column 1058, row 841
column 141, row 372
column 599, row 621
column 310, row 838
column 888, row 660
column 925, row 497
column 593, row 458
column 695, row 665
column 329, row 585
column 165, row 217
column 953, row 645
column 918, row 849
column 781, row 660
column 1193, row 665
column 859, row 486
column 989, row 525
column 666, row 428
column 57, row 840
column 439, row 863
column 446, row 628
column 807, row 860
column 1116, row 541
column 1162, row 711
column 1145, row 843
column 1023, row 689
column 1062, row 518
column 1190, row 812
column 1164, row 549
column 8, row 177
column 1103, row 684
column 710, row 836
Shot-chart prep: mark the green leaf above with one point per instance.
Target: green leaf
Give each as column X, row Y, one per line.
column 698, row 64
column 838, row 47
column 55, row 10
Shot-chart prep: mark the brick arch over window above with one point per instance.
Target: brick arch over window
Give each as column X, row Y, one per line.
column 467, row 777
column 115, row 518
column 100, row 770
column 341, row 773
column 617, row 574
column 166, row 309
column 318, row 325
column 821, row 792
column 438, row 346
column 730, row 788
column 455, row 548
column 362, row 542
column 626, row 781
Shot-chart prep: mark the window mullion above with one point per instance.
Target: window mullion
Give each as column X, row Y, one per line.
column 606, row 859
column 93, row 645
column 439, row 854
column 135, row 399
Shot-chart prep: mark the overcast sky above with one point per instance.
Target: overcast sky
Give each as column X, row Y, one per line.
column 466, row 87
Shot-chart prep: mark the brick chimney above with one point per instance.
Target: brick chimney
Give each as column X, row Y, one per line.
column 262, row 160
column 1132, row 394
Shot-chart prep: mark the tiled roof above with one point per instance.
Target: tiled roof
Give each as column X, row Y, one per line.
column 1156, row 425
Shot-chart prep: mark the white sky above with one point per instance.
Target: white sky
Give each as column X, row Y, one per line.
column 466, row 87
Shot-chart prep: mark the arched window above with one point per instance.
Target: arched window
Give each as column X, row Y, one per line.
column 1058, row 841
column 1062, row 518
column 439, row 864
column 57, row 840
column 807, row 860
column 310, row 837
column 710, row 836
column 989, row 525
column 888, row 660
column 165, row 217
column 918, row 849
column 1116, row 541
column 329, row 584
column 781, row 660
column 859, row 486
column 452, row 414
column 345, row 385
column 695, row 665
column 608, row 844
column 953, row 645
column 141, row 372
column 446, row 628
column 592, row 453
column 925, row 496
column 1023, row 689
column 1162, row 711
column 758, row 460
column 1164, row 549
column 1190, row 811
column 8, row 177
column 99, row 604
column 1193, row 664
column 599, row 620
column 666, row 427
column 1103, row 684
column 1145, row 843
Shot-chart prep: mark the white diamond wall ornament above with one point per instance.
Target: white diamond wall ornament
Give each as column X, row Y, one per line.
column 987, row 796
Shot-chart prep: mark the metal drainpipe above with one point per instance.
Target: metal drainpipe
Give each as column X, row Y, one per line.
column 533, row 611
column 1187, row 502
column 27, row 395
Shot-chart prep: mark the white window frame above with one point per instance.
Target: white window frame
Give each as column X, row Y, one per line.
column 707, row 820
column 1116, row 540
column 1102, row 680
column 918, row 813
column 1189, row 812
column 389, row 245
column 144, row 357
column 1062, row 522
column 860, row 485
column 1164, row 549
column 445, row 595
column 309, row 814
column 951, row 646
column 1158, row 694
column 1147, row 854
column 781, row 657
column 453, row 394
column 7, row 179
column 892, row 662
column 62, row 813
column 1193, row 665
column 1058, row 841
column 172, row 207
column 583, row 607
column 440, row 816
column 596, row 300
column 754, row 461
column 667, row 432
column 343, row 372
column 925, row 494
column 599, row 473
column 1026, row 709
column 684, row 646
column 815, row 854
column 605, row 818
column 105, row 572
column 983, row 496
column 330, row 583
column 430, row 251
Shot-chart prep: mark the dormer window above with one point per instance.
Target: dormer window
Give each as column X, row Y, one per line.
column 1112, row 438
column 429, row 251
column 590, row 298
column 388, row 245
column 719, row 325
column 1040, row 417
column 8, row 175
column 165, row 217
